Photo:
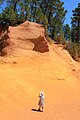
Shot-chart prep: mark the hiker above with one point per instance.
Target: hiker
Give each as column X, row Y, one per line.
column 41, row 101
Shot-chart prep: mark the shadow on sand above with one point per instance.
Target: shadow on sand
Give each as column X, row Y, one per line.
column 35, row 110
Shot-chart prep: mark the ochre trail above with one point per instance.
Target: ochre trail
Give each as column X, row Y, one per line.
column 23, row 76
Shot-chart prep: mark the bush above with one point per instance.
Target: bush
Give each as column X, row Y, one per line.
column 73, row 50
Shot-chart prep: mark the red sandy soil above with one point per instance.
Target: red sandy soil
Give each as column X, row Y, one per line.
column 25, row 73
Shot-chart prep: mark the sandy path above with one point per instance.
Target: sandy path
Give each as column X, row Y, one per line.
column 25, row 73
column 22, row 78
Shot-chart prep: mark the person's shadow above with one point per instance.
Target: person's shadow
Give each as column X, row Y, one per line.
column 35, row 110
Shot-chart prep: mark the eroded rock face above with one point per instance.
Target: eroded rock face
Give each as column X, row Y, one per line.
column 28, row 36
column 40, row 44
column 18, row 40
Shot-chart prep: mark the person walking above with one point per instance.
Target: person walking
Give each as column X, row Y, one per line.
column 41, row 101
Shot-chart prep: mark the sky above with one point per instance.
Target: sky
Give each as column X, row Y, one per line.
column 70, row 5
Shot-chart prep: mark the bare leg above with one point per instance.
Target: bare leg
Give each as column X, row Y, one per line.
column 42, row 109
column 39, row 108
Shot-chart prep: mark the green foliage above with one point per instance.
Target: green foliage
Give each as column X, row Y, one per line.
column 50, row 13
column 67, row 32
column 76, row 24
column 59, row 39
column 74, row 46
column 1, row 1
column 73, row 50
column 55, row 13
column 9, row 13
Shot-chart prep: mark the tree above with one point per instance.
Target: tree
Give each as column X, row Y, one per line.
column 50, row 13
column 24, row 9
column 55, row 13
column 67, row 32
column 76, row 24
column 13, row 12
column 13, row 3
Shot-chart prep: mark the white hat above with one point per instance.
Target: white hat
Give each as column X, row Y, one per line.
column 41, row 93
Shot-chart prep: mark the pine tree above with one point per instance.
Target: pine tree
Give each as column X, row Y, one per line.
column 13, row 3
column 76, row 24
column 50, row 13
column 24, row 9
column 12, row 12
column 55, row 13
column 9, row 15
column 67, row 32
